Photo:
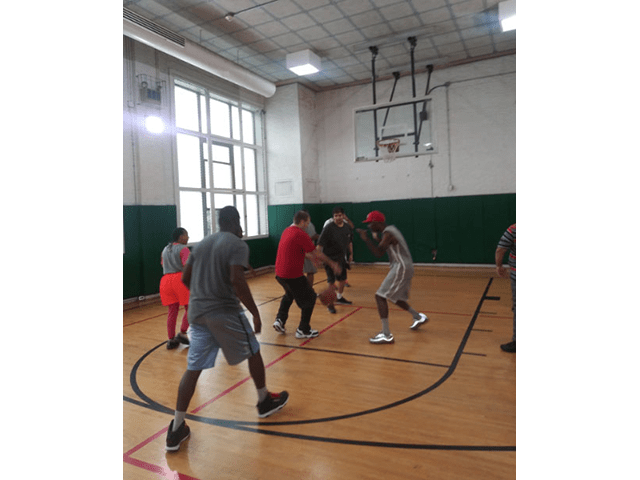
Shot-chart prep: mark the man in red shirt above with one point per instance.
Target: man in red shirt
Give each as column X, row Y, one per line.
column 295, row 244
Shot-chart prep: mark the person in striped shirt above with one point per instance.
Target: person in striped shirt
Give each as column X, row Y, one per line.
column 506, row 244
column 397, row 284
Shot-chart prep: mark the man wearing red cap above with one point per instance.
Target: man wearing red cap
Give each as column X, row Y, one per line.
column 397, row 284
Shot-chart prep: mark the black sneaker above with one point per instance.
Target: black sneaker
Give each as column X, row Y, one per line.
column 343, row 301
column 174, row 439
column 331, row 309
column 173, row 343
column 509, row 347
column 271, row 404
column 182, row 338
column 312, row 333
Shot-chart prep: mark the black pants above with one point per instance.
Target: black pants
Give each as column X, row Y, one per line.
column 297, row 289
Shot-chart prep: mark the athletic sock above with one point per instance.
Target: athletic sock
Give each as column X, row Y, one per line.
column 338, row 295
column 385, row 326
column 177, row 420
column 413, row 313
column 262, row 394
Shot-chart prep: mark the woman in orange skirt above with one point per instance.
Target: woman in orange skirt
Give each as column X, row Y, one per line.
column 173, row 292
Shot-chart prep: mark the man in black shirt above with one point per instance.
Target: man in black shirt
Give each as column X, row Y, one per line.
column 336, row 242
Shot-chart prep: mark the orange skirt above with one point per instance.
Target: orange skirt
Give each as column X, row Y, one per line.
column 172, row 290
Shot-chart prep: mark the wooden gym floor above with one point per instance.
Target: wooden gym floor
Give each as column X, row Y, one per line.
column 439, row 403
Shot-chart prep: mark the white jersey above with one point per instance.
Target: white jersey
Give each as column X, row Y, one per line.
column 397, row 284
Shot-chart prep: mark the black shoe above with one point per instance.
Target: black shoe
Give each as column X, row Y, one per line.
column 182, row 338
column 509, row 347
column 273, row 403
column 173, row 343
column 343, row 301
column 174, row 439
column 331, row 309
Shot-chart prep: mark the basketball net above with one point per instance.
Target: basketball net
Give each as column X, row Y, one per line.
column 391, row 146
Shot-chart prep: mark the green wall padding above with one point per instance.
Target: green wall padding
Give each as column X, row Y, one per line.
column 457, row 229
column 147, row 230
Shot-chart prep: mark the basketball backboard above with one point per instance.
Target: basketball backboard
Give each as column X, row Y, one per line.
column 410, row 121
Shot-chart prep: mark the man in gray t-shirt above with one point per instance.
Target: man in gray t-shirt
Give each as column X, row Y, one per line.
column 211, row 262
column 214, row 274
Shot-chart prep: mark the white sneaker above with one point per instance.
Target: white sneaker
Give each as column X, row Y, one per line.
column 312, row 333
column 423, row 319
column 382, row 338
column 279, row 326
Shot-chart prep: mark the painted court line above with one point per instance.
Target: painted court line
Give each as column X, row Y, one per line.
column 165, row 472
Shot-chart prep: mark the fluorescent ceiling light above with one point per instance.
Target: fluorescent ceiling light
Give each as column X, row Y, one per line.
column 304, row 62
column 507, row 15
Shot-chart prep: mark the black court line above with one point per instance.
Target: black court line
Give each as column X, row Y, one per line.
column 475, row 354
column 338, row 352
column 492, row 298
column 256, row 427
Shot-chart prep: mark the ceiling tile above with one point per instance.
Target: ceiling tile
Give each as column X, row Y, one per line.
column 272, row 29
column 352, row 7
column 366, row 19
column 298, row 22
column 281, row 8
column 338, row 26
column 398, row 10
column 325, row 14
column 341, row 31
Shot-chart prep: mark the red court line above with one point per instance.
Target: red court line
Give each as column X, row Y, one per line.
column 168, row 473
column 165, row 471
column 144, row 320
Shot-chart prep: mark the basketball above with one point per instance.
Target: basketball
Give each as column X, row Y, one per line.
column 327, row 296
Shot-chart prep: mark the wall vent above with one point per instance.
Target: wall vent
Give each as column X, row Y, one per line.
column 153, row 27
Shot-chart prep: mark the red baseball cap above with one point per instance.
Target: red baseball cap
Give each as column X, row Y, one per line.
column 375, row 216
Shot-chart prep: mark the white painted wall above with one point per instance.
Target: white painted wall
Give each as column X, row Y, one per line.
column 478, row 114
column 148, row 177
column 284, row 159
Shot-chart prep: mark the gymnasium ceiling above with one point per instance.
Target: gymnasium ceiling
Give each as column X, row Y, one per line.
column 260, row 33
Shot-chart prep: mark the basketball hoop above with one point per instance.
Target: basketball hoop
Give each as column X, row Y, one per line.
column 392, row 146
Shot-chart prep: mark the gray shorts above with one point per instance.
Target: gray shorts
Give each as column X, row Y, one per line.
column 309, row 267
column 229, row 332
column 397, row 284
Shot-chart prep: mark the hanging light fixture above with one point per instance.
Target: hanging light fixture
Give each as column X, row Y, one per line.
column 304, row 62
column 507, row 15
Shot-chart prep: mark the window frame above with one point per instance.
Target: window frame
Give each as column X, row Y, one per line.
column 236, row 144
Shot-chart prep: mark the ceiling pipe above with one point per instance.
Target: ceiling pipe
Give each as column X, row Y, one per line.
column 200, row 57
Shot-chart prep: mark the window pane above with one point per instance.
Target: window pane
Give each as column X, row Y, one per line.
column 192, row 212
column 221, row 153
column 191, row 167
column 252, row 216
column 235, row 119
column 222, row 176
column 247, row 127
column 237, row 167
column 223, row 200
column 219, row 118
column 203, row 115
column 250, row 169
column 240, row 207
column 186, row 109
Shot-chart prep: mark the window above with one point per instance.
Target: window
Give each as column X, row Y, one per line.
column 220, row 161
